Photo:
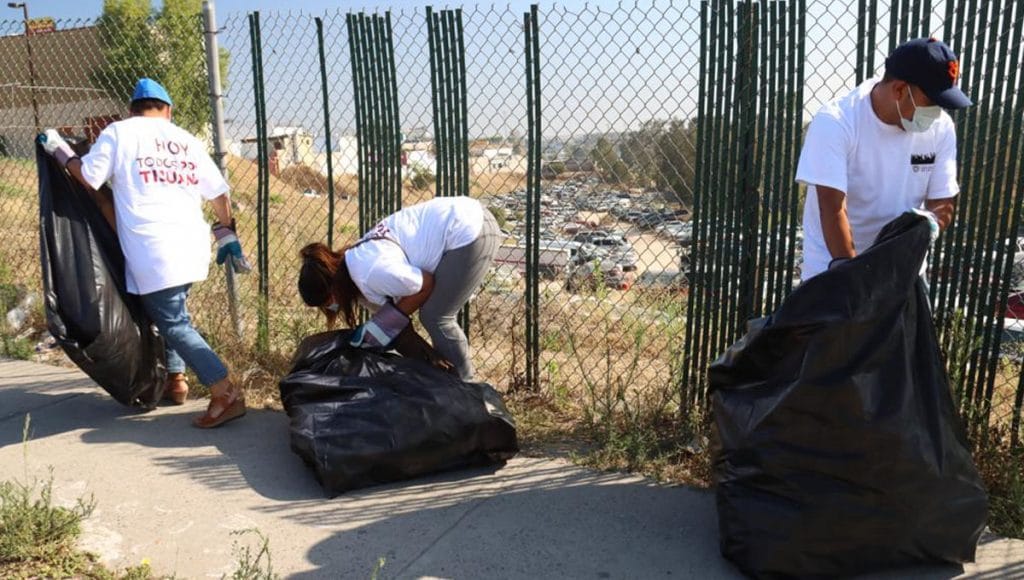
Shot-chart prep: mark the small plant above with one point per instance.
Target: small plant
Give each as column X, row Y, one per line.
column 556, row 383
column 253, row 565
column 1002, row 468
column 960, row 344
column 375, row 574
column 37, row 537
column 15, row 347
column 551, row 341
column 642, row 429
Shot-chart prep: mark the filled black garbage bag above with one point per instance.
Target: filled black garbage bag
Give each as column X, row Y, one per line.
column 838, row 449
column 101, row 327
column 360, row 418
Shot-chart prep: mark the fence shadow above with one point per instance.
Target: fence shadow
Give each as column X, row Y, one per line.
column 56, row 403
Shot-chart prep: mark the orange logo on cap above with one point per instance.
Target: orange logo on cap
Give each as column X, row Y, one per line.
column 954, row 70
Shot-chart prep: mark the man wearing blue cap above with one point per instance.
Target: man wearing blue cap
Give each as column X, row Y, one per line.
column 159, row 175
column 884, row 149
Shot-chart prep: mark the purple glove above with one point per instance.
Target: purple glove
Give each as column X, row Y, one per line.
column 381, row 330
column 56, row 146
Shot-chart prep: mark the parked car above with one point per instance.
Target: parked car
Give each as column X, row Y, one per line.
column 623, row 255
column 668, row 279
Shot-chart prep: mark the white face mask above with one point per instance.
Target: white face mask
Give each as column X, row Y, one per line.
column 333, row 307
column 923, row 117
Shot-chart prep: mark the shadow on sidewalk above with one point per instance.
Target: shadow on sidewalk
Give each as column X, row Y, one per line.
column 49, row 410
column 541, row 522
column 251, row 453
column 562, row 524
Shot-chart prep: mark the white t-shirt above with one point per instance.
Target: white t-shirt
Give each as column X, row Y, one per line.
column 417, row 237
column 159, row 174
column 883, row 170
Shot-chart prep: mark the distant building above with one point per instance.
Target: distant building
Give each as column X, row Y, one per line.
column 344, row 156
column 289, row 146
column 491, row 160
column 418, row 160
column 65, row 95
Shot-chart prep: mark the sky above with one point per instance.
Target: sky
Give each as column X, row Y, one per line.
column 607, row 65
column 75, row 9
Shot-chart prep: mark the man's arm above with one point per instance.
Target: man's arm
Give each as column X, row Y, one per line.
column 943, row 210
column 102, row 199
column 410, row 304
column 835, row 225
column 222, row 209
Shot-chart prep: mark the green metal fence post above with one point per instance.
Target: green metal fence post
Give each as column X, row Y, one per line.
column 262, row 187
column 533, row 107
column 396, row 194
column 328, row 145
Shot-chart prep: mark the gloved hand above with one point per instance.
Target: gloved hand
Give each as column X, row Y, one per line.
column 933, row 221
column 381, row 330
column 229, row 248
column 56, row 146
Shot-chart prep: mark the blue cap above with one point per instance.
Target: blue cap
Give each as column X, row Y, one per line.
column 150, row 89
column 933, row 67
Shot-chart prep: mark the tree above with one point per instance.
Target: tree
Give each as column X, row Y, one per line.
column 166, row 46
column 607, row 162
column 552, row 169
column 640, row 152
column 663, row 154
column 678, row 158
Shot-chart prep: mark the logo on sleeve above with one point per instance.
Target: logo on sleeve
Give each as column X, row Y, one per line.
column 922, row 162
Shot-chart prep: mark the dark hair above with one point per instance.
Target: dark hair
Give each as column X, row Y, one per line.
column 140, row 106
column 324, row 274
column 888, row 77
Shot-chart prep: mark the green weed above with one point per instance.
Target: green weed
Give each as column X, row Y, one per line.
column 253, row 564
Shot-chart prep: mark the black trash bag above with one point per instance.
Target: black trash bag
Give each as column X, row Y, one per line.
column 838, row 449
column 101, row 327
column 360, row 418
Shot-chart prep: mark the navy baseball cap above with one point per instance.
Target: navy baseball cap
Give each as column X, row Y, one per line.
column 933, row 67
column 150, row 89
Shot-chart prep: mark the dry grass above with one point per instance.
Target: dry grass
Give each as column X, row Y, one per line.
column 19, row 226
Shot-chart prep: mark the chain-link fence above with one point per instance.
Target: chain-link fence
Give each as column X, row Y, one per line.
column 623, row 156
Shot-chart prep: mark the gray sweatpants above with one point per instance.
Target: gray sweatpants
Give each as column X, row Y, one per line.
column 459, row 273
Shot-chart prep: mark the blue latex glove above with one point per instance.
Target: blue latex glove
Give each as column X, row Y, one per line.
column 381, row 330
column 933, row 222
column 56, row 146
column 228, row 248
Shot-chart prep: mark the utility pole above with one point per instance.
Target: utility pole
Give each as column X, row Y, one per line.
column 31, row 64
column 219, row 149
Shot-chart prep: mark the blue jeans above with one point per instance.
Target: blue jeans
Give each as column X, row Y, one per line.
column 184, row 344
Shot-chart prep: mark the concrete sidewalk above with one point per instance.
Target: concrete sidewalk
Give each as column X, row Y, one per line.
column 172, row 494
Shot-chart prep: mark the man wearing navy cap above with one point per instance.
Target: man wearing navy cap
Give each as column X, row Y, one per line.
column 159, row 175
column 884, row 149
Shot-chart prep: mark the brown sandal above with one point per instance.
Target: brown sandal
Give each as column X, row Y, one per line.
column 232, row 405
column 176, row 389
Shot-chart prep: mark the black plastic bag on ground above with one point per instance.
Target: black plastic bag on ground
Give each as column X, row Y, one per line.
column 101, row 327
column 838, row 447
column 360, row 418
